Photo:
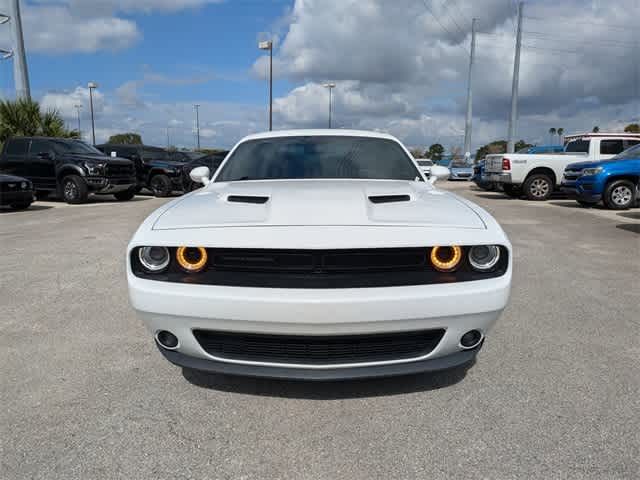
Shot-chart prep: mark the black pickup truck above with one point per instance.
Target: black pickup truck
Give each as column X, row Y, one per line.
column 70, row 168
column 155, row 170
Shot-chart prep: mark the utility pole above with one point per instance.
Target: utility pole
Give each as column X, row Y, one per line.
column 330, row 86
column 467, row 125
column 20, row 72
column 78, row 107
column 168, row 144
column 92, row 86
column 196, row 106
column 268, row 45
column 514, row 87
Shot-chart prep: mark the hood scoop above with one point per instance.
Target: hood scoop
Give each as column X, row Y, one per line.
column 389, row 198
column 247, row 199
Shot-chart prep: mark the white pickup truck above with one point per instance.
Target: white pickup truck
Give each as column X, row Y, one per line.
column 537, row 175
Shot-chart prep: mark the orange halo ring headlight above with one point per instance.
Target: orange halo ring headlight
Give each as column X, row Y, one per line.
column 446, row 258
column 191, row 259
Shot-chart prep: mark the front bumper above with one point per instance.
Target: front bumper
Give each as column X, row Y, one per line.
column 456, row 360
column 461, row 176
column 456, row 308
column 581, row 191
column 16, row 197
column 108, row 185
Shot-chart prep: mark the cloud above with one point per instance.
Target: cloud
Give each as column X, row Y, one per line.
column 402, row 66
column 67, row 26
column 57, row 28
column 65, row 102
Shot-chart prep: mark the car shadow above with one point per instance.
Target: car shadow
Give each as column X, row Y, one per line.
column 495, row 196
column 633, row 215
column 32, row 208
column 100, row 199
column 327, row 390
column 574, row 204
column 630, row 227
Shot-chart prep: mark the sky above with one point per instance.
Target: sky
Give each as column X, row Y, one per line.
column 400, row 66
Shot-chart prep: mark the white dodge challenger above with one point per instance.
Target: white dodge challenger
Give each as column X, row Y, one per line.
column 319, row 254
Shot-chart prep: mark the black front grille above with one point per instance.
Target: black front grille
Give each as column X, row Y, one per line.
column 318, row 262
column 315, row 350
column 116, row 170
column 360, row 268
column 572, row 174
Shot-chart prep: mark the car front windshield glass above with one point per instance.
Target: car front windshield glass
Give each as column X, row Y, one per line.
column 75, row 146
column 633, row 152
column 309, row 157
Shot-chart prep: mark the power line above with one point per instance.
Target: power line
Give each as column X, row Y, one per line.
column 598, row 24
column 424, row 2
column 546, row 36
column 558, row 50
column 454, row 19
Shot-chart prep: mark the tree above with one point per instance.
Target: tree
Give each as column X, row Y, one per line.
column 129, row 138
column 24, row 117
column 560, row 133
column 520, row 144
column 596, row 129
column 435, row 152
column 632, row 128
column 416, row 152
column 552, row 132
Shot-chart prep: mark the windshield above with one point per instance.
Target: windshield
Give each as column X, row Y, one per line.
column 75, row 146
column 633, row 152
column 318, row 157
column 425, row 163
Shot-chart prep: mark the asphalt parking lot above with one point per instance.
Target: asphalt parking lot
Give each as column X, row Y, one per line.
column 555, row 392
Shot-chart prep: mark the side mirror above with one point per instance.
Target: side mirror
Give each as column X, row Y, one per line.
column 45, row 156
column 438, row 172
column 200, row 175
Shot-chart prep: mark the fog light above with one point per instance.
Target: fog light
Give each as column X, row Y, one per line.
column 471, row 339
column 484, row 257
column 446, row 259
column 167, row 339
column 191, row 259
column 154, row 259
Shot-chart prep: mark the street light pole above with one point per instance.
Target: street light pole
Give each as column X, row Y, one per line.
column 78, row 107
column 196, row 106
column 330, row 86
column 268, row 45
column 92, row 86
column 467, row 125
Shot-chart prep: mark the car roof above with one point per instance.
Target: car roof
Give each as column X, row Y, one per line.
column 319, row 132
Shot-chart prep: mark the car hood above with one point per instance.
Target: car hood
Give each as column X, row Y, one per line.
column 461, row 169
column 101, row 159
column 11, row 178
column 319, row 203
column 582, row 165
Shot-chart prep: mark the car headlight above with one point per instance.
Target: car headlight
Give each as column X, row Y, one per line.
column 154, row 259
column 191, row 259
column 94, row 168
column 446, row 259
column 591, row 171
column 484, row 257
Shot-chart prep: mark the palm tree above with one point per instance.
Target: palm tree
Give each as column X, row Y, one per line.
column 23, row 117
column 596, row 129
column 560, row 133
column 552, row 132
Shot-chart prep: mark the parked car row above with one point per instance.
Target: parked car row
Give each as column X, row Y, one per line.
column 72, row 169
column 593, row 167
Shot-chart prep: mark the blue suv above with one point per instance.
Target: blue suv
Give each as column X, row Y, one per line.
column 615, row 181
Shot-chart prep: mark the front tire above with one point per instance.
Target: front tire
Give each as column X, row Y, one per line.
column 511, row 190
column 74, row 190
column 160, row 185
column 538, row 187
column 125, row 195
column 620, row 195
